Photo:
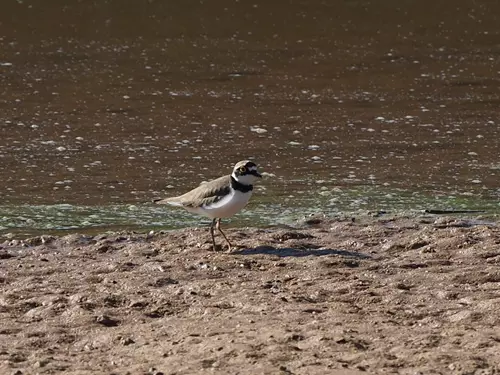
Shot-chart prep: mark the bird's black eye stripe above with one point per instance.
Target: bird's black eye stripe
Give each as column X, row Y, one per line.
column 242, row 169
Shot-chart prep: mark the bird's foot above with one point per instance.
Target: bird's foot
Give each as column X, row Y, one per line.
column 233, row 248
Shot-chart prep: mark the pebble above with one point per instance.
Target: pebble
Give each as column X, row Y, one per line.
column 258, row 130
column 106, row 321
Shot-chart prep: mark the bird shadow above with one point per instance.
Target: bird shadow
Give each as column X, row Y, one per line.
column 293, row 252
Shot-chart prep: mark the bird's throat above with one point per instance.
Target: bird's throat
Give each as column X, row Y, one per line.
column 236, row 185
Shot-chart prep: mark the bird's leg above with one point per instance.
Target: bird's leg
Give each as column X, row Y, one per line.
column 212, row 233
column 220, row 230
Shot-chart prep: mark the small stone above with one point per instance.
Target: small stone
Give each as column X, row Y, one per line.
column 41, row 363
column 138, row 303
column 107, row 321
column 126, row 341
column 258, row 130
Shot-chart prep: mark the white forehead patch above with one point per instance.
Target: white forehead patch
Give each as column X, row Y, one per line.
column 254, row 168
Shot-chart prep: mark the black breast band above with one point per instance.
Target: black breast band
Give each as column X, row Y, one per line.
column 236, row 185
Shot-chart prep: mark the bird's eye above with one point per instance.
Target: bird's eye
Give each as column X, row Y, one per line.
column 243, row 169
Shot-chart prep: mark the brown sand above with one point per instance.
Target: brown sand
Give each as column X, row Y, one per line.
column 380, row 295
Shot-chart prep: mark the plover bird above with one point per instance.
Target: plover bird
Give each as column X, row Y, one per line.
column 219, row 198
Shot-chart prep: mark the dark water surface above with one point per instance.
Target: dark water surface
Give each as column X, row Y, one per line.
column 347, row 105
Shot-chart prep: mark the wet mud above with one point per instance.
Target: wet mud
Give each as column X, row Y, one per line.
column 348, row 296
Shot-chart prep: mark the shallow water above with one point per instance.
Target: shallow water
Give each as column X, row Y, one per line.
column 27, row 220
column 346, row 105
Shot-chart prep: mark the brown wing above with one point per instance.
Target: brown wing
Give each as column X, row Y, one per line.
column 207, row 193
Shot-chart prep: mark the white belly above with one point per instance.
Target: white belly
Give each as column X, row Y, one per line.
column 226, row 207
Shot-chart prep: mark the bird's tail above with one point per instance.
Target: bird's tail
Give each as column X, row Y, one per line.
column 171, row 201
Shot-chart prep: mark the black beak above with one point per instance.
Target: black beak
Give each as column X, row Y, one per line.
column 256, row 174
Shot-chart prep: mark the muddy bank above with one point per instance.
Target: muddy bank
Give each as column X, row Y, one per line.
column 379, row 295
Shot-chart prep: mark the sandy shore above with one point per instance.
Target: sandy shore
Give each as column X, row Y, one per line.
column 371, row 295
